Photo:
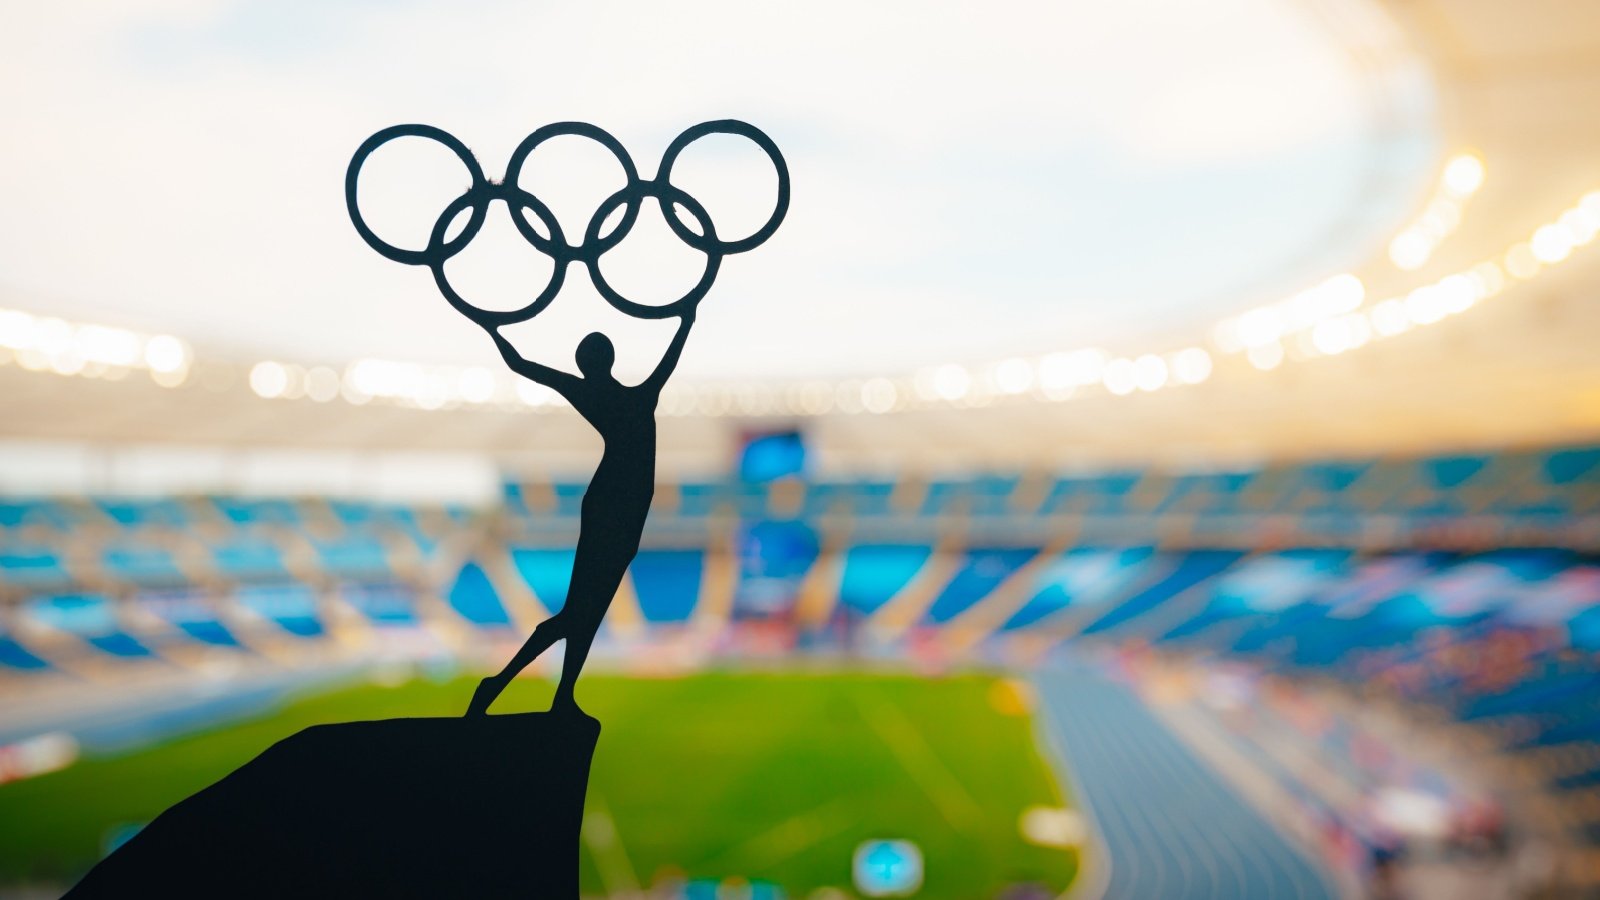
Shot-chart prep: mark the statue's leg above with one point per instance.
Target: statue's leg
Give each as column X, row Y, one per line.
column 578, row 643
column 608, row 539
column 587, row 607
column 549, row 631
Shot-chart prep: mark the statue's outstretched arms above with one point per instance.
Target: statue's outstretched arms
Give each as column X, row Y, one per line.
column 669, row 360
column 555, row 379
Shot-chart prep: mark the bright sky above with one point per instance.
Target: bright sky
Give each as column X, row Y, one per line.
column 969, row 180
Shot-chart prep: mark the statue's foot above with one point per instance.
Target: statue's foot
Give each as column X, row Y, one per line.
column 487, row 691
column 564, row 704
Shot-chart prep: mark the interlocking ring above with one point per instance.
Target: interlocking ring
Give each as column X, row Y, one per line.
column 484, row 192
column 708, row 242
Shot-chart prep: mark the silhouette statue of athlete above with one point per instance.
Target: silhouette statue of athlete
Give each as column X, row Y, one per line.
column 614, row 506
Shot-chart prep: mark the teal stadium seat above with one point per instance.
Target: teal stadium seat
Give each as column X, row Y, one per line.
column 473, row 596
column 667, row 584
column 981, row 570
column 874, row 573
column 547, row 573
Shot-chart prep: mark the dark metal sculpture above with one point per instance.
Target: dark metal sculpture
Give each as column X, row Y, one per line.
column 474, row 806
column 619, row 494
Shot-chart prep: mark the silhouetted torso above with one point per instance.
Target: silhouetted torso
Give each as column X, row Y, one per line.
column 625, row 417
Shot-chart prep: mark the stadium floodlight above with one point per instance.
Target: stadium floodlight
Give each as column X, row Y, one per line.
column 1463, row 174
column 1551, row 243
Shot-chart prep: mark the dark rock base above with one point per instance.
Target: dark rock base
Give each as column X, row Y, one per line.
column 484, row 807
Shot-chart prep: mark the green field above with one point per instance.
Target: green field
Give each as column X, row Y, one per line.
column 769, row 777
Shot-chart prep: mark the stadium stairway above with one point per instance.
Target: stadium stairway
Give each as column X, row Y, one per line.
column 718, row 581
column 987, row 616
column 1169, row 826
column 817, row 596
column 892, row 620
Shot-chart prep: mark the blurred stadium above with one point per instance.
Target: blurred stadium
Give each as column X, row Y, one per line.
column 1226, row 526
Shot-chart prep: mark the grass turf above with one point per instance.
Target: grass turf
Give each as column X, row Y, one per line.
column 769, row 777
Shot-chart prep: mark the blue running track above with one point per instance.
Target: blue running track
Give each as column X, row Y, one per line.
column 1171, row 828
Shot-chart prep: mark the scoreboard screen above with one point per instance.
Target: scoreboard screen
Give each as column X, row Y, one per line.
column 772, row 455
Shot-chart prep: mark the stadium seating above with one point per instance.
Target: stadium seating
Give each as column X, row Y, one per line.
column 472, row 596
column 667, row 583
column 980, row 571
column 874, row 573
column 89, row 617
column 546, row 572
column 190, row 612
column 290, row 606
column 1081, row 578
column 1391, row 571
column 1141, row 540
column 16, row 657
column 32, row 566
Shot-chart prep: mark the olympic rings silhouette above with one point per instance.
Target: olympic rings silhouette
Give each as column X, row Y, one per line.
column 482, row 192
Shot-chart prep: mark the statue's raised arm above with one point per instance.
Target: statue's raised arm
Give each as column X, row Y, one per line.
column 669, row 360
column 561, row 382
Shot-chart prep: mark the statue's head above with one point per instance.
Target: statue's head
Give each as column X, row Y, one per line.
column 595, row 356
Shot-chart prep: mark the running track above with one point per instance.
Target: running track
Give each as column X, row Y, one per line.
column 1170, row 828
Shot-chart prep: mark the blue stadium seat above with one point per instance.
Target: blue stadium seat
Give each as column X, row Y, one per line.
column 407, row 522
column 1108, row 494
column 1183, row 495
column 514, row 498
column 141, row 564
column 1185, row 572
column 1082, row 577
column 1453, row 592
column 1061, row 494
column 356, row 513
column 874, row 573
column 1097, row 495
column 290, row 605
column 1453, row 471
column 19, row 513
column 32, row 566
column 981, row 571
column 90, row 617
column 135, row 513
column 750, row 499
column 353, row 557
column 701, row 498
column 473, row 596
column 1335, row 477
column 547, row 573
column 667, row 583
column 191, row 613
column 857, row 498
column 1569, row 466
column 119, row 643
column 267, row 511
column 383, row 604
column 249, row 559
column 569, row 497
column 1265, row 585
column 213, row 632
column 944, row 497
column 992, row 494
column 984, row 495
column 15, row 656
